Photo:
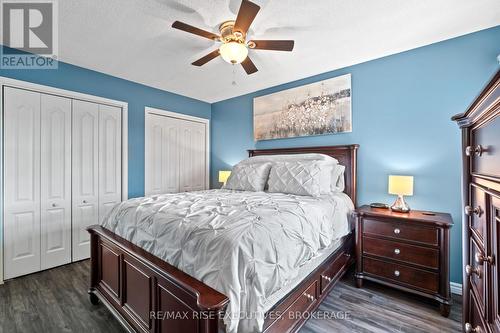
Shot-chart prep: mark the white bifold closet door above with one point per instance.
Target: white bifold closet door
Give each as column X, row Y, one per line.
column 22, row 182
column 85, row 185
column 176, row 151
column 96, row 168
column 55, row 185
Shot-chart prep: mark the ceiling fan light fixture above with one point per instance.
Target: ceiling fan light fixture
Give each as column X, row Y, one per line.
column 233, row 52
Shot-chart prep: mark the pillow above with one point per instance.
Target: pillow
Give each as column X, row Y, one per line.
column 289, row 158
column 248, row 177
column 311, row 178
column 338, row 181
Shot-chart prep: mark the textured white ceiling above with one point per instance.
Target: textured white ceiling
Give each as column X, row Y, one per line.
column 133, row 39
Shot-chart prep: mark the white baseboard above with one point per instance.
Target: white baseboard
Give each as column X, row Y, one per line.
column 456, row 288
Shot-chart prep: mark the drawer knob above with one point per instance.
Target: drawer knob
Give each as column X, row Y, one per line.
column 477, row 150
column 309, row 297
column 469, row 270
column 54, row 205
column 479, row 258
column 473, row 210
column 396, row 273
column 397, row 251
column 469, row 329
column 397, row 231
column 327, row 278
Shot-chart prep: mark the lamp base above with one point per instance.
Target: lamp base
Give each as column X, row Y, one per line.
column 400, row 205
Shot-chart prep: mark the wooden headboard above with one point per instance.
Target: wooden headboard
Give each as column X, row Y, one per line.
column 346, row 155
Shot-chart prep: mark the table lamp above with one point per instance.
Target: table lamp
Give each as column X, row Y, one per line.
column 400, row 185
column 223, row 176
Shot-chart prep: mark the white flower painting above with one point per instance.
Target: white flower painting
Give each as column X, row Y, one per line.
column 314, row 109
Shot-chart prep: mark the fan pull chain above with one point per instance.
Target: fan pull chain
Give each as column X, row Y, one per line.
column 234, row 76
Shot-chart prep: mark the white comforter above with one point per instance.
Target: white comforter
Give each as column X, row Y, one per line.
column 246, row 245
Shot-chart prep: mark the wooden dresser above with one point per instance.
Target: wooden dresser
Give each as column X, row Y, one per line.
column 480, row 126
column 408, row 251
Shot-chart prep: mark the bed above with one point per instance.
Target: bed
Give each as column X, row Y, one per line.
column 138, row 280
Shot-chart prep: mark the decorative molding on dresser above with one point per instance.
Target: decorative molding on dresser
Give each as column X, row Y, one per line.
column 480, row 126
column 407, row 251
column 456, row 288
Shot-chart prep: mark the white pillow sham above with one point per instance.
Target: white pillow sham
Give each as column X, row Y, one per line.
column 334, row 183
column 248, row 177
column 311, row 178
column 338, row 181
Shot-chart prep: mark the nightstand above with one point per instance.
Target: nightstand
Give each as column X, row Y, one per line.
column 407, row 251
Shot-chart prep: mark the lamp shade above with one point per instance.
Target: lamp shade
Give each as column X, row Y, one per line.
column 401, row 185
column 223, row 176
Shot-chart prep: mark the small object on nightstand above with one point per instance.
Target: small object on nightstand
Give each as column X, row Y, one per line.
column 400, row 185
column 407, row 251
column 379, row 205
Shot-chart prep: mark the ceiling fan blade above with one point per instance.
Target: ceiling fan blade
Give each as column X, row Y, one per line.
column 249, row 66
column 189, row 28
column 203, row 60
column 275, row 45
column 246, row 15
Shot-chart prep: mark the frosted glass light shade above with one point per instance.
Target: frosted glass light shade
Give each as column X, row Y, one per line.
column 223, row 176
column 401, row 185
column 233, row 52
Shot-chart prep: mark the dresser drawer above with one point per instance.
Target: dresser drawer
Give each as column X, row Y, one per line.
column 476, row 211
column 486, row 162
column 417, row 255
column 402, row 274
column 328, row 275
column 299, row 307
column 401, row 231
column 475, row 316
column 477, row 275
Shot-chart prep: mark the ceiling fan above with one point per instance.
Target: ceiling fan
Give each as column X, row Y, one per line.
column 233, row 34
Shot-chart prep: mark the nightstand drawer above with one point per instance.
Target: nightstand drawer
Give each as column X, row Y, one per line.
column 401, row 231
column 412, row 277
column 418, row 255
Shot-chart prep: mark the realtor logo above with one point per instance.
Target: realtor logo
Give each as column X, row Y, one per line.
column 29, row 30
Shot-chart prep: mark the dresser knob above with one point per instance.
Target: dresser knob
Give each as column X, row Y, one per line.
column 469, row 270
column 396, row 273
column 477, row 150
column 468, row 328
column 479, row 258
column 309, row 297
column 476, row 210
column 397, row 251
column 397, row 231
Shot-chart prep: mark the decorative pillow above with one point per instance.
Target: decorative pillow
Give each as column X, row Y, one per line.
column 248, row 177
column 301, row 178
column 338, row 181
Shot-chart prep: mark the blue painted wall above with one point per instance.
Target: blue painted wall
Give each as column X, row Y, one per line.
column 402, row 106
column 137, row 96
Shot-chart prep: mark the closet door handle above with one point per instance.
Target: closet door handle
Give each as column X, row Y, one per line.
column 84, row 201
column 54, row 205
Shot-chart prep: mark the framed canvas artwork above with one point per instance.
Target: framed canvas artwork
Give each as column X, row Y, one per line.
column 314, row 109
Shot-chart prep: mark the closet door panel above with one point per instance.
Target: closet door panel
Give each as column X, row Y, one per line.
column 153, row 153
column 170, row 155
column 199, row 156
column 85, row 133
column 110, row 156
column 55, row 181
column 22, row 182
column 192, row 156
column 162, row 160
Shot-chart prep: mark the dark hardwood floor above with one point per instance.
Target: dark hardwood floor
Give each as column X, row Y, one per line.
column 56, row 301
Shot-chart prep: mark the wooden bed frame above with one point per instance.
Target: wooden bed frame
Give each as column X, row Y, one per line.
column 146, row 294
